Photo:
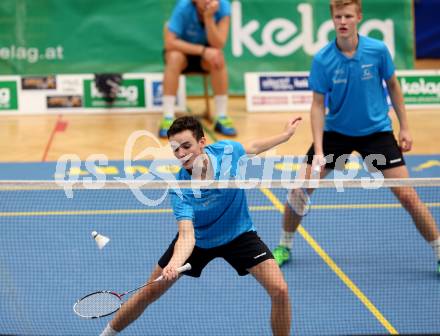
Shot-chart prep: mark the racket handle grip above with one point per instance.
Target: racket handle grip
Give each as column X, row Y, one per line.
column 184, row 268
column 181, row 269
column 316, row 170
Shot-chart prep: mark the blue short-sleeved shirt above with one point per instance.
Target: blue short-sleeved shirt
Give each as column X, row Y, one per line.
column 356, row 97
column 218, row 215
column 185, row 23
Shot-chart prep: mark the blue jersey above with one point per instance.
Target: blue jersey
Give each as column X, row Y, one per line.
column 218, row 215
column 185, row 23
column 356, row 97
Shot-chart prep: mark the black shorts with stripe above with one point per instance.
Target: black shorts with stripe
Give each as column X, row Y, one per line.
column 379, row 150
column 242, row 253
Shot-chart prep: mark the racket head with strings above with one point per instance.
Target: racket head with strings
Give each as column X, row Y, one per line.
column 98, row 304
column 104, row 303
column 299, row 201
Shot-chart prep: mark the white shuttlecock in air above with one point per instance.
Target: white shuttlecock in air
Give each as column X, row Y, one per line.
column 100, row 240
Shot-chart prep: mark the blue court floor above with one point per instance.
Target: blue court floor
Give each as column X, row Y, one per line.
column 359, row 266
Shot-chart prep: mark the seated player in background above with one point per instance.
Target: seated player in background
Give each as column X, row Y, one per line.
column 195, row 37
column 350, row 70
column 213, row 224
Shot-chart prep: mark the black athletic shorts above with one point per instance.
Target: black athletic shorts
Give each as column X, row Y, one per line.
column 242, row 253
column 194, row 63
column 379, row 150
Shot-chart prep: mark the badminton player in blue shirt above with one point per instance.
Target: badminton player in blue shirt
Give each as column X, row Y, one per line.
column 350, row 70
column 214, row 223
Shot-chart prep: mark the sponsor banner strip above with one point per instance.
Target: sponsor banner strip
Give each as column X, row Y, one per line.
column 289, row 91
column 77, row 93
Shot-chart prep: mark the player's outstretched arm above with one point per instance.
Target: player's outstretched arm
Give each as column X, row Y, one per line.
column 182, row 249
column 261, row 145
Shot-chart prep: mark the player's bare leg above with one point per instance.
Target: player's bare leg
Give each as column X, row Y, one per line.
column 269, row 275
column 136, row 305
column 176, row 61
column 410, row 200
column 219, row 84
column 291, row 221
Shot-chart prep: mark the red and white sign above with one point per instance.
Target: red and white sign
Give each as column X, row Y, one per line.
column 277, row 91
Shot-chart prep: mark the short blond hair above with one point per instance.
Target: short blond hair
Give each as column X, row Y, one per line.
column 342, row 3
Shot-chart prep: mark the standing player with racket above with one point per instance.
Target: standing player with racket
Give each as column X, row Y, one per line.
column 350, row 70
column 214, row 224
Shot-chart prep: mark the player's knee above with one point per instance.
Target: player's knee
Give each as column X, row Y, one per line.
column 175, row 59
column 222, row 59
column 222, row 64
column 407, row 197
column 280, row 292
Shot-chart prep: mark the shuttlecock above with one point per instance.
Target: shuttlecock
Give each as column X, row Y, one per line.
column 100, row 240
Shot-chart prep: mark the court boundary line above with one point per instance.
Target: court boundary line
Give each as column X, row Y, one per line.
column 58, row 127
column 334, row 267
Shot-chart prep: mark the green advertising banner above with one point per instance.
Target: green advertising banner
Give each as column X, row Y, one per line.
column 8, row 95
column 131, row 94
column 420, row 88
column 82, row 36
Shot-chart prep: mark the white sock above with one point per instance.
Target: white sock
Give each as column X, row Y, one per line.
column 168, row 103
column 287, row 239
column 221, row 105
column 435, row 244
column 108, row 331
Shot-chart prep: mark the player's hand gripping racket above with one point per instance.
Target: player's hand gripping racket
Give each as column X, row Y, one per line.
column 299, row 199
column 104, row 303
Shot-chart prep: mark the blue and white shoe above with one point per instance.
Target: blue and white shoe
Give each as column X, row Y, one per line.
column 165, row 125
column 223, row 125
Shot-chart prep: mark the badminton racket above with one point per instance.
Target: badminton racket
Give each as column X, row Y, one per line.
column 299, row 199
column 104, row 303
